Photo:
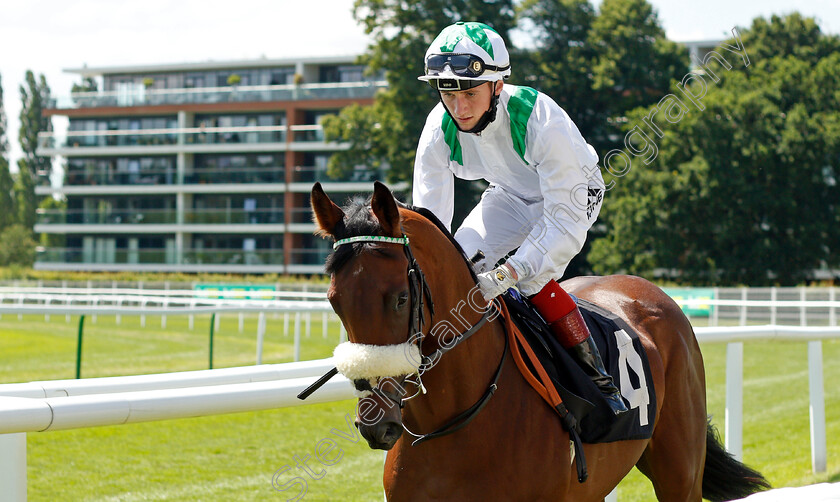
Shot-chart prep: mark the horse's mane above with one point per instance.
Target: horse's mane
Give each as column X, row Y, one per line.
column 360, row 221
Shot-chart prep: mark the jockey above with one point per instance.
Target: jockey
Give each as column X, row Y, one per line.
column 545, row 186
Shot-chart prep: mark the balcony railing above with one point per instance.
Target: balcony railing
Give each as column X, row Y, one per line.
column 301, row 215
column 305, row 256
column 159, row 217
column 108, row 177
column 307, row 133
column 233, row 216
column 210, row 175
column 140, row 96
column 235, row 135
column 233, row 257
column 108, row 217
column 236, row 175
column 118, row 256
column 311, row 174
column 104, row 176
column 162, row 137
column 154, row 256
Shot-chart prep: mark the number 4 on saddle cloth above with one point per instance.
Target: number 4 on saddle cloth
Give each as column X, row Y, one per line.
column 624, row 358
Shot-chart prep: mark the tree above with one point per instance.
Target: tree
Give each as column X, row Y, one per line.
column 560, row 62
column 53, row 205
column 24, row 195
column 7, row 203
column 743, row 191
column 35, row 97
column 17, row 248
column 87, row 85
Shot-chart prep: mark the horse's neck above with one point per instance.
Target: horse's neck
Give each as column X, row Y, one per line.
column 460, row 376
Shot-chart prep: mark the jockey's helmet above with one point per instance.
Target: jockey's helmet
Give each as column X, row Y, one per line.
column 465, row 55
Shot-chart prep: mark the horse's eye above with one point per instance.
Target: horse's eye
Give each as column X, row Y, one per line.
column 402, row 299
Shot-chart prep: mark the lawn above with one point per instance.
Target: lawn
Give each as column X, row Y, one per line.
column 234, row 457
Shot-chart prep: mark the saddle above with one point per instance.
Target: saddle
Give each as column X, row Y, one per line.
column 554, row 374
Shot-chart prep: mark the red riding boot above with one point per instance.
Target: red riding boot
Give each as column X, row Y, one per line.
column 566, row 322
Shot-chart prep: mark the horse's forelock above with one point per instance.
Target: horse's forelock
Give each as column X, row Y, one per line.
column 358, row 221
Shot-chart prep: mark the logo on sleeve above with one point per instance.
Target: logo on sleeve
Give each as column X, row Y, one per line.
column 595, row 196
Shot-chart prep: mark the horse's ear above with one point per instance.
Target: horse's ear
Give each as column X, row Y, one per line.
column 384, row 207
column 326, row 214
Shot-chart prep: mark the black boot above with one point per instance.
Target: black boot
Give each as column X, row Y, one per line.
column 587, row 356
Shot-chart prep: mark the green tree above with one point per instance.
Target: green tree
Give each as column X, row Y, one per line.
column 561, row 59
column 24, row 196
column 745, row 190
column 35, row 97
column 17, row 248
column 54, row 206
column 7, row 203
column 634, row 65
column 87, row 85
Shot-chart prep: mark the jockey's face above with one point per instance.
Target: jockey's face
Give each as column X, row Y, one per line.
column 467, row 107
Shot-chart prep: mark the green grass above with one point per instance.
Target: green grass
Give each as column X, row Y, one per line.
column 233, row 457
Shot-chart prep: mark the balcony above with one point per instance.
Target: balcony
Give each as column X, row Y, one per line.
column 311, row 174
column 159, row 217
column 233, row 257
column 100, row 176
column 160, row 256
column 236, row 175
column 108, row 217
column 305, row 256
column 163, row 137
column 233, row 216
column 301, row 215
column 208, row 95
column 307, row 133
column 118, row 256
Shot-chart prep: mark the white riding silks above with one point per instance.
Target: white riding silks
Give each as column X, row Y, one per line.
column 371, row 362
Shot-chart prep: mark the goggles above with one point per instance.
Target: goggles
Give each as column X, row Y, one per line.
column 462, row 65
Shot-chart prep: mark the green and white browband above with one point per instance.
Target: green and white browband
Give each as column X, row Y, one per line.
column 372, row 238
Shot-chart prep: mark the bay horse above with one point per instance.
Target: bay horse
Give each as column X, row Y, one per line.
column 395, row 267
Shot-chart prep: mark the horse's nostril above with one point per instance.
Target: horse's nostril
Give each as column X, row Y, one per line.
column 391, row 433
column 382, row 435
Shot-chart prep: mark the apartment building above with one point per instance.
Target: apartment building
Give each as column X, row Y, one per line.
column 199, row 167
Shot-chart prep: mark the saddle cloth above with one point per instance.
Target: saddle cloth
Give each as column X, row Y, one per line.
column 624, row 358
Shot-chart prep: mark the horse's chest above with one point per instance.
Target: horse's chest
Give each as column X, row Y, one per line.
column 484, row 475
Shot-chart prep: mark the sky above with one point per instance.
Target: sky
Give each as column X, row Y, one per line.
column 48, row 36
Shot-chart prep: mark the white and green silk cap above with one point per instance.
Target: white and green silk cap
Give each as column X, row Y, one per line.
column 471, row 39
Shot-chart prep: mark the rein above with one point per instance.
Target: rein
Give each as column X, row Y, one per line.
column 462, row 419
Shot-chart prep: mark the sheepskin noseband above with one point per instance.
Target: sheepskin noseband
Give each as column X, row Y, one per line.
column 360, row 361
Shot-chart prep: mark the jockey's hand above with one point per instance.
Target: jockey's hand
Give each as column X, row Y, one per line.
column 495, row 282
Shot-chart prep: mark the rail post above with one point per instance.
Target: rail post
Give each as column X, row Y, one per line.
column 212, row 325
column 734, row 399
column 13, row 466
column 79, row 347
column 817, row 406
column 260, row 336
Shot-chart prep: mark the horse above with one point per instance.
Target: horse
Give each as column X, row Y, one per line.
column 394, row 268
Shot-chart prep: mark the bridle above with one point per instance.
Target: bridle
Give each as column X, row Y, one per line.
column 419, row 294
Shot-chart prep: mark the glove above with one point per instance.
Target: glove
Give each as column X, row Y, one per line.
column 496, row 281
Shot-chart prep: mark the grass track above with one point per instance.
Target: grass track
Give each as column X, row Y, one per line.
column 233, row 457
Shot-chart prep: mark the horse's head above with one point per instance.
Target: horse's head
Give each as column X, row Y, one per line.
column 378, row 290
